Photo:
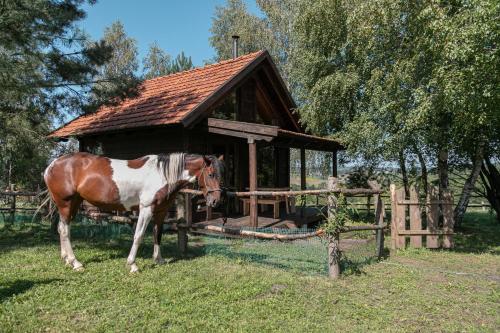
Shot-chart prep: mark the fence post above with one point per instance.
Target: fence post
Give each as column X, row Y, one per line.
column 432, row 241
column 13, row 209
column 182, row 239
column 447, row 219
column 394, row 216
column 333, row 240
column 415, row 218
column 379, row 217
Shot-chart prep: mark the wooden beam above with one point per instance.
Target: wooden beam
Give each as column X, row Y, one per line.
column 240, row 126
column 302, row 169
column 334, row 164
column 237, row 134
column 252, row 167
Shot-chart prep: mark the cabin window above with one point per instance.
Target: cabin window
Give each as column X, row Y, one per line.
column 226, row 110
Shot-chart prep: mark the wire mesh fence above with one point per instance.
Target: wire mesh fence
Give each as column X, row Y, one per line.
column 305, row 256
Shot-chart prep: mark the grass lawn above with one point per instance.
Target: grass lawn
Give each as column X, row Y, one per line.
column 234, row 285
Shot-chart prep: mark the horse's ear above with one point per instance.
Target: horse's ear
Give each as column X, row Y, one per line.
column 221, row 158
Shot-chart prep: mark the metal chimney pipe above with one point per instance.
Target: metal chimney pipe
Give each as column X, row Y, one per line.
column 235, row 46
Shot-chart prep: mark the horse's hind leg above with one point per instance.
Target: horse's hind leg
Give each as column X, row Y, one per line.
column 66, row 212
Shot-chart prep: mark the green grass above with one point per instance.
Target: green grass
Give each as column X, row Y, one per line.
column 235, row 285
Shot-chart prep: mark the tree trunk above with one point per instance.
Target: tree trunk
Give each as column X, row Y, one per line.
column 424, row 174
column 490, row 178
column 469, row 185
column 443, row 172
column 404, row 174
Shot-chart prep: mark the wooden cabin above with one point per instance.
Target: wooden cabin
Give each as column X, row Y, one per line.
column 240, row 108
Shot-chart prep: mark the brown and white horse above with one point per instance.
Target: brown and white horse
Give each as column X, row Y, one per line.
column 149, row 184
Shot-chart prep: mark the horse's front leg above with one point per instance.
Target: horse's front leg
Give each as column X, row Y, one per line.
column 142, row 223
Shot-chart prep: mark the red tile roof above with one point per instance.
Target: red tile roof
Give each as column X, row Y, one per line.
column 163, row 100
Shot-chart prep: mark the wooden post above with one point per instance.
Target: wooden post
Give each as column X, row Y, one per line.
column 252, row 167
column 447, row 219
column 333, row 240
column 13, row 209
column 182, row 239
column 394, row 214
column 401, row 217
column 188, row 208
column 302, row 169
column 398, row 218
column 334, row 256
column 379, row 218
column 368, row 205
column 432, row 241
column 334, row 164
column 180, row 206
column 415, row 219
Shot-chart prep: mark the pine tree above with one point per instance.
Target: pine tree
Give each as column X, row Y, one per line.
column 50, row 68
column 181, row 63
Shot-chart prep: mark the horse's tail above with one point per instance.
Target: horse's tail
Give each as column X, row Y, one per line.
column 46, row 201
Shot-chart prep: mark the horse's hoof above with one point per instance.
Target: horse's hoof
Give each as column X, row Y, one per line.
column 134, row 269
column 77, row 266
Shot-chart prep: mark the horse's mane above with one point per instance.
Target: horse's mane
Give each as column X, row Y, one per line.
column 172, row 165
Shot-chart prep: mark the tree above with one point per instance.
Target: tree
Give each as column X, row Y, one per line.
column 49, row 68
column 181, row 63
column 272, row 32
column 234, row 19
column 389, row 77
column 123, row 62
column 157, row 62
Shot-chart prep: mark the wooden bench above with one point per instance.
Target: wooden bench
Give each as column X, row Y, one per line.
column 274, row 201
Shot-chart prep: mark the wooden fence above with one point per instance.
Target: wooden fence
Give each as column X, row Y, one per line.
column 413, row 218
column 12, row 204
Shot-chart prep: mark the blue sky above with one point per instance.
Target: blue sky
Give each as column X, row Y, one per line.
column 175, row 24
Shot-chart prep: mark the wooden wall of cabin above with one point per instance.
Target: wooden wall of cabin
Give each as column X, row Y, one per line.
column 133, row 144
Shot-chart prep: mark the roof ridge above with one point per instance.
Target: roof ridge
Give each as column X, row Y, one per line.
column 223, row 62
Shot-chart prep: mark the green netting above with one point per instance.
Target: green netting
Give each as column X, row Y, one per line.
column 306, row 256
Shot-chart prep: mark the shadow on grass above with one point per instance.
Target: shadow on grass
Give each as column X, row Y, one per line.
column 479, row 233
column 20, row 286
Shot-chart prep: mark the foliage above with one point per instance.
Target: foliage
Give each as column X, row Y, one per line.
column 48, row 64
column 223, row 279
column 181, row 63
column 234, row 19
column 390, row 78
column 123, row 62
column 50, row 68
column 157, row 62
column 339, row 217
column 271, row 32
column 23, row 149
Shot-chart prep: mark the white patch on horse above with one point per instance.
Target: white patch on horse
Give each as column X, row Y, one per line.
column 138, row 186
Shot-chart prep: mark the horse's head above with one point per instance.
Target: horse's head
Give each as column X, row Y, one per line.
column 210, row 178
